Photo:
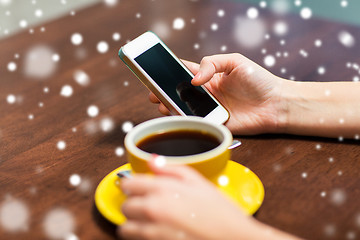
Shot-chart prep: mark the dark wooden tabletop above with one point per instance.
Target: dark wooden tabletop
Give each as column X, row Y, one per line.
column 48, row 138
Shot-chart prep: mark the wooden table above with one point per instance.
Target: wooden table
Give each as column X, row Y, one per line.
column 47, row 136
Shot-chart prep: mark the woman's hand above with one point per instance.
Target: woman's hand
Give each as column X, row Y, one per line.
column 250, row 93
column 178, row 203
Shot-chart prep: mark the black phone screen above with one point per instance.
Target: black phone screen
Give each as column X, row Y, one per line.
column 175, row 81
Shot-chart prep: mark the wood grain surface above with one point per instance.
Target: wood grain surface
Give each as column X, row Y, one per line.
column 311, row 184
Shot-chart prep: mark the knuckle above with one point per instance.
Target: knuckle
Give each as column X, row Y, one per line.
column 236, row 55
column 151, row 211
column 206, row 59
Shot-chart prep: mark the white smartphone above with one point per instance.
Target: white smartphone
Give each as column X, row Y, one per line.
column 169, row 79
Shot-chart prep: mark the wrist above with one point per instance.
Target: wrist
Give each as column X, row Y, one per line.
column 325, row 109
column 262, row 231
column 295, row 107
column 284, row 99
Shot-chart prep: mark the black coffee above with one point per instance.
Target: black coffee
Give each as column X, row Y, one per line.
column 179, row 143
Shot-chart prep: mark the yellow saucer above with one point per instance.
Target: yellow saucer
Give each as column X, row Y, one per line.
column 237, row 181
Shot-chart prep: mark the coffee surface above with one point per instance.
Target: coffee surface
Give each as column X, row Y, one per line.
column 179, row 143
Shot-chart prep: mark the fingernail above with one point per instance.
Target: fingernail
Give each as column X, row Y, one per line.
column 123, row 186
column 124, row 174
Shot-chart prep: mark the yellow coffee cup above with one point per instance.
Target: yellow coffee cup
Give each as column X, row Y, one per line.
column 236, row 181
column 210, row 161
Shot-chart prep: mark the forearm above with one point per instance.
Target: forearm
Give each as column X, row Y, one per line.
column 259, row 231
column 326, row 109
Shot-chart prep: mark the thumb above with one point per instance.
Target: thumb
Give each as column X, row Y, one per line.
column 158, row 164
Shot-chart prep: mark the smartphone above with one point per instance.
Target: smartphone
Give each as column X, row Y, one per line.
column 169, row 79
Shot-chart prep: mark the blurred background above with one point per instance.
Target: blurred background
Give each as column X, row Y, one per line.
column 64, row 95
column 19, row 14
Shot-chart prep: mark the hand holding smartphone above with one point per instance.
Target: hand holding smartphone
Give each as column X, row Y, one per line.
column 169, row 79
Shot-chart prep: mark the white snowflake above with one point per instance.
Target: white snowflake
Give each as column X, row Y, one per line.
column 321, row 70
column 107, row 124
column 81, row 77
column 71, row 236
column 269, row 61
column 127, row 126
column 111, row 3
column 14, row 215
column 160, row 161
column 280, row 7
column 119, row 151
column 297, row 3
column 91, row 127
column 61, row 145
column 38, row 13
column 75, row 180
column 338, row 197
column 59, row 223
column 11, row 99
column 221, row 12
column 102, row 47
column 116, row 36
column 214, row 26
column 252, row 13
column 46, row 90
column 76, row 39
column 85, row 186
column 304, row 53
column 329, row 230
column 5, row 2
column 223, row 180
column 351, row 235
column 161, row 28
column 39, row 63
column 66, row 91
column 23, row 23
column 344, row 3
column 11, row 66
column 263, row 4
column 280, row 28
column 178, row 23
column 346, row 39
column 249, row 33
column 55, row 57
column 93, row 111
column 306, row 13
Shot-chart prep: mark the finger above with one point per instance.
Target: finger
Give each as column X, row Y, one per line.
column 130, row 230
column 193, row 67
column 159, row 167
column 138, row 185
column 145, row 230
column 164, row 110
column 136, row 208
column 153, row 98
column 214, row 64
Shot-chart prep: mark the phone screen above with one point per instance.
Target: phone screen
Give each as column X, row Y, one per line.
column 175, row 81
